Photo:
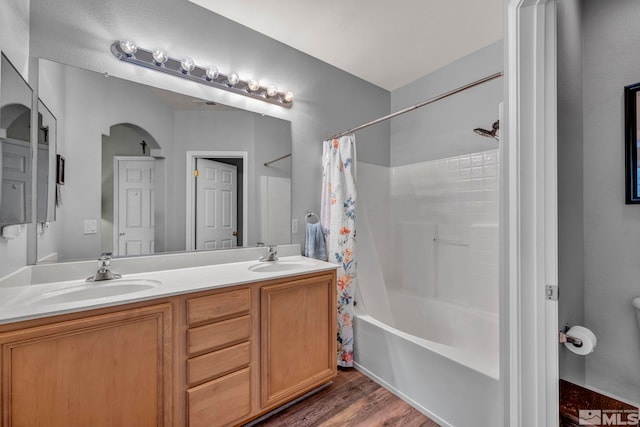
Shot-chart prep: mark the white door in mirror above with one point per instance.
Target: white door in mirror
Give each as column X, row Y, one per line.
column 134, row 211
column 216, row 201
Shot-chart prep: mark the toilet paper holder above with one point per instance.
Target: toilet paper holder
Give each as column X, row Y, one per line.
column 563, row 337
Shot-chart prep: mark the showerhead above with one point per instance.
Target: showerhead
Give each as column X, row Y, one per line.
column 489, row 133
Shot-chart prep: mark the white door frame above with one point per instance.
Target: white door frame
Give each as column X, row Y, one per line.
column 528, row 321
column 116, row 197
column 191, row 189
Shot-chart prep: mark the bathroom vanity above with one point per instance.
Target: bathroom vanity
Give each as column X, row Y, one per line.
column 200, row 353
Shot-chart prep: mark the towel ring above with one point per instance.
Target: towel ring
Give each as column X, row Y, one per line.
column 310, row 216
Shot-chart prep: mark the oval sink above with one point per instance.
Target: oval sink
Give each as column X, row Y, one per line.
column 95, row 290
column 275, row 266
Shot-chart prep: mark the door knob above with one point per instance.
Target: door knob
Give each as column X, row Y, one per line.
column 235, row 233
column 122, row 233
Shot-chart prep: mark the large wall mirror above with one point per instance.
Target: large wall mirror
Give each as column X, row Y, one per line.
column 15, row 141
column 632, row 139
column 149, row 171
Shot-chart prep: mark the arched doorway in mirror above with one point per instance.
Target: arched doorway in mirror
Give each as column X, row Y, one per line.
column 132, row 191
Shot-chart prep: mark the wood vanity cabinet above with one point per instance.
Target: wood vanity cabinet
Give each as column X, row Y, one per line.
column 110, row 369
column 213, row 358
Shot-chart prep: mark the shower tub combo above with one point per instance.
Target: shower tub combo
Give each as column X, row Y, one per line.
column 426, row 321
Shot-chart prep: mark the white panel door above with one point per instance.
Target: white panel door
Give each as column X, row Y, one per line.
column 134, row 211
column 216, row 205
column 16, row 182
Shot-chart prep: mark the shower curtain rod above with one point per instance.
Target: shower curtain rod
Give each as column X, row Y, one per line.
column 422, row 104
column 279, row 158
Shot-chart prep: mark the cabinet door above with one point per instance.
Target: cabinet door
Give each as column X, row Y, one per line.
column 107, row 370
column 298, row 327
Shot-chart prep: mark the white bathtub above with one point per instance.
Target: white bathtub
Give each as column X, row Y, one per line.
column 440, row 357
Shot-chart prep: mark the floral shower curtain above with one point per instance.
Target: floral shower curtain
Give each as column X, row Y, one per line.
column 337, row 217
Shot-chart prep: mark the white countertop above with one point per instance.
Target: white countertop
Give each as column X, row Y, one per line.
column 26, row 302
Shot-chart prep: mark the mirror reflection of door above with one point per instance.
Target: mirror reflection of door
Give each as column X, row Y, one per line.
column 134, row 224
column 16, row 165
column 16, row 181
column 216, row 200
column 132, row 190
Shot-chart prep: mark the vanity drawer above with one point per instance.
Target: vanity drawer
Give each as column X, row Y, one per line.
column 217, row 363
column 218, row 306
column 217, row 335
column 220, row 402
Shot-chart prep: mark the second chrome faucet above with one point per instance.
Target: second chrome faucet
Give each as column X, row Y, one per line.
column 104, row 269
column 271, row 255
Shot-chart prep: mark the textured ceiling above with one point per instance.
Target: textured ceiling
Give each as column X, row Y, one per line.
column 388, row 43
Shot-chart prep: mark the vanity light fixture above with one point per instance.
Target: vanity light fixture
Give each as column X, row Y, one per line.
column 272, row 90
column 211, row 73
column 157, row 59
column 232, row 79
column 158, row 55
column 253, row 85
column 128, row 47
column 187, row 65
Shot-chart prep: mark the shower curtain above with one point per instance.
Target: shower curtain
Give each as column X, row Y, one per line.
column 337, row 217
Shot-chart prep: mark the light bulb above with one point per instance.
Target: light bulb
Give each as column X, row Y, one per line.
column 272, row 90
column 159, row 56
column 288, row 96
column 211, row 72
column 233, row 79
column 253, row 85
column 187, row 64
column 128, row 47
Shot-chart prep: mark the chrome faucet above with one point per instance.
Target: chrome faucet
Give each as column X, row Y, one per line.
column 271, row 255
column 104, row 269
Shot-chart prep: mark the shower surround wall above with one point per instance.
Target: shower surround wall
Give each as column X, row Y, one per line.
column 427, row 323
column 445, row 225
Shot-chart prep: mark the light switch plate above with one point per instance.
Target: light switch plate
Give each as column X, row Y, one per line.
column 90, row 226
column 294, row 225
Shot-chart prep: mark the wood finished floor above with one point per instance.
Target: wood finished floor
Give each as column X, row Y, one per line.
column 352, row 400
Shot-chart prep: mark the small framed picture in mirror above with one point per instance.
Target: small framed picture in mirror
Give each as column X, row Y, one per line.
column 632, row 141
column 60, row 170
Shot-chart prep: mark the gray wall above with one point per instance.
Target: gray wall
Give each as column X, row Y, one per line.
column 14, row 42
column 328, row 100
column 611, row 229
column 570, row 181
column 445, row 128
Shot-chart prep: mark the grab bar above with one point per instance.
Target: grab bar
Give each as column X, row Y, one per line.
column 452, row 242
